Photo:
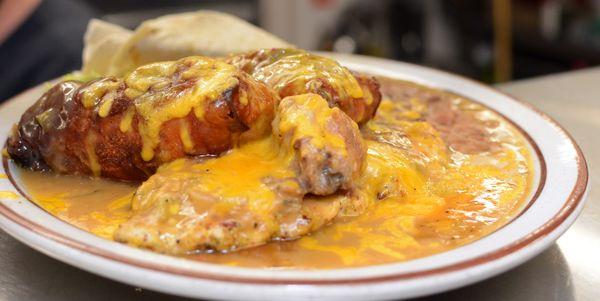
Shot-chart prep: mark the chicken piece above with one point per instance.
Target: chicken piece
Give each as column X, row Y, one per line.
column 124, row 128
column 324, row 140
column 294, row 71
column 254, row 193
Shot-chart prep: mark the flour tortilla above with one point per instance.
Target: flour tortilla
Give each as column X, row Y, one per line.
column 101, row 39
column 171, row 37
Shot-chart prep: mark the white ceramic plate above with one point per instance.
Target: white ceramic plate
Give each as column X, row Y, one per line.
column 561, row 177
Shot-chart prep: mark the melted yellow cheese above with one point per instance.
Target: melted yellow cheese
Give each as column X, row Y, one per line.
column 422, row 198
column 251, row 162
column 106, row 103
column 97, row 205
column 93, row 93
column 245, row 175
column 184, row 135
column 237, row 179
column 126, row 121
column 301, row 69
column 8, row 195
column 157, row 101
column 45, row 119
column 90, row 149
column 157, row 94
column 294, row 119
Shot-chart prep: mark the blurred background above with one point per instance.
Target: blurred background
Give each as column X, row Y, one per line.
column 492, row 40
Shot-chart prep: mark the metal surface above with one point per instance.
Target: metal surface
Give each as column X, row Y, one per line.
column 569, row 270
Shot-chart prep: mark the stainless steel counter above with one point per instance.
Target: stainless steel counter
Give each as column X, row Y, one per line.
column 569, row 270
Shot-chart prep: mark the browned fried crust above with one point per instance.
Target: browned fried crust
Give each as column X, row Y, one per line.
column 364, row 109
column 60, row 143
column 360, row 110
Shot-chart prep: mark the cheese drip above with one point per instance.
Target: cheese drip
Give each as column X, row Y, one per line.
column 294, row 118
column 8, row 195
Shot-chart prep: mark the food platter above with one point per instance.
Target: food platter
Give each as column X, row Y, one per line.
column 560, row 185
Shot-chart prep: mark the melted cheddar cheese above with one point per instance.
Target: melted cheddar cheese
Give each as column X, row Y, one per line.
column 320, row 114
column 251, row 162
column 157, row 94
column 211, row 79
column 8, row 195
column 423, row 198
column 301, row 69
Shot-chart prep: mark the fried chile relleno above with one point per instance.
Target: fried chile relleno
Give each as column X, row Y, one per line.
column 254, row 193
column 124, row 128
column 294, row 71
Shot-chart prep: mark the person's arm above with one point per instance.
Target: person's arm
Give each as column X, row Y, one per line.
column 13, row 13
